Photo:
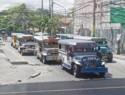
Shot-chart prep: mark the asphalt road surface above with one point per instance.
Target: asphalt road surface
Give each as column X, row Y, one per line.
column 54, row 81
column 86, row 87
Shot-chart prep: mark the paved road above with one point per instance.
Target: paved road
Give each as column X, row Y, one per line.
column 54, row 81
column 52, row 72
column 86, row 87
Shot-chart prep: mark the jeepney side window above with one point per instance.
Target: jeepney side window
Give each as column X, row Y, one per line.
column 59, row 46
column 62, row 47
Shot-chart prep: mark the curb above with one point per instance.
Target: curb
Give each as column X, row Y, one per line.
column 19, row 62
column 119, row 58
column 35, row 75
column 34, row 64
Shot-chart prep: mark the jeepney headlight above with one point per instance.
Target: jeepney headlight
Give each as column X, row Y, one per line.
column 48, row 52
column 22, row 46
column 97, row 59
column 84, row 59
column 77, row 62
column 103, row 63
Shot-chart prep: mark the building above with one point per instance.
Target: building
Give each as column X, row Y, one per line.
column 66, row 25
column 84, row 20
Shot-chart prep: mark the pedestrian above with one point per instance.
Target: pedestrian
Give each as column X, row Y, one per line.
column 5, row 36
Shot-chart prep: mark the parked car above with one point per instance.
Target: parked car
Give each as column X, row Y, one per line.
column 106, row 52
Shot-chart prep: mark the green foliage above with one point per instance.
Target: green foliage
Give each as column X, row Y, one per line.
column 20, row 18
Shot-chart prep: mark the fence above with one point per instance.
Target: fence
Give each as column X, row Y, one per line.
column 111, row 36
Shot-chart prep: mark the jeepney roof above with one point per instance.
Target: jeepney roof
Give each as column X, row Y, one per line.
column 73, row 41
column 89, row 38
column 20, row 35
column 24, row 35
column 14, row 34
column 27, row 35
column 41, row 34
column 68, row 35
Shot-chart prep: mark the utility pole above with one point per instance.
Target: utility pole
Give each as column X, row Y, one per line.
column 42, row 9
column 42, row 13
column 94, row 17
column 51, row 8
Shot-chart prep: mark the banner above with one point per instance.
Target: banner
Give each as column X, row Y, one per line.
column 117, row 15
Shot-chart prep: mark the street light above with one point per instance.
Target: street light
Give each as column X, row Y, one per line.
column 62, row 7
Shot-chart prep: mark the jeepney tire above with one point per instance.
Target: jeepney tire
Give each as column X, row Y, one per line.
column 12, row 44
column 76, row 71
column 62, row 67
column 37, row 56
column 44, row 59
column 110, row 59
column 22, row 53
column 34, row 53
column 101, row 74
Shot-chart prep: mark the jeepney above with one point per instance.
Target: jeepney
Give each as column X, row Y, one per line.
column 106, row 52
column 79, row 56
column 102, row 46
column 65, row 36
column 41, row 34
column 98, row 40
column 26, row 44
column 15, row 39
column 46, row 48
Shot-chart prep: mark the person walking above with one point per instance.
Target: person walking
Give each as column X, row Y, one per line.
column 5, row 37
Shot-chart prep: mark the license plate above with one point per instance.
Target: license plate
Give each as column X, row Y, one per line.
column 55, row 58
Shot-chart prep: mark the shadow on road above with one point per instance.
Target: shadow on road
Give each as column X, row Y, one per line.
column 53, row 63
column 91, row 75
column 112, row 62
column 63, row 87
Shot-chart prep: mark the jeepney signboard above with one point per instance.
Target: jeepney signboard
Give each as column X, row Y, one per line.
column 27, row 38
column 51, row 39
column 85, row 45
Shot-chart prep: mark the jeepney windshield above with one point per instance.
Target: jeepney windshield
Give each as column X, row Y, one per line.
column 28, row 39
column 84, row 48
column 50, row 44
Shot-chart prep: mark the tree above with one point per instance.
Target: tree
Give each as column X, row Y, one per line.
column 19, row 18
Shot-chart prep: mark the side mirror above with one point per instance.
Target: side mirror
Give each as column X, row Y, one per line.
column 40, row 49
column 70, row 53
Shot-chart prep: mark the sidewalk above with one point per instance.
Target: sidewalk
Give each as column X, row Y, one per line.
column 5, row 66
column 121, row 56
column 14, row 73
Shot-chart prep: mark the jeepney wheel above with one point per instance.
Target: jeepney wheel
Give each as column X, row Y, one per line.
column 110, row 59
column 44, row 60
column 12, row 44
column 37, row 56
column 101, row 74
column 21, row 52
column 76, row 70
column 62, row 67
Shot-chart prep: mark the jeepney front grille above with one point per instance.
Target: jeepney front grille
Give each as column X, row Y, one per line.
column 92, row 64
column 52, row 52
column 30, row 46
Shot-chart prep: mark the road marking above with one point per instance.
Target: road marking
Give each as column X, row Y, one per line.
column 63, row 90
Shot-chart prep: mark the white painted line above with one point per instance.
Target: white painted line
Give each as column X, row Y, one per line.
column 63, row 90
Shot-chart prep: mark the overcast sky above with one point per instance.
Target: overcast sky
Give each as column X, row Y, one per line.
column 4, row 4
